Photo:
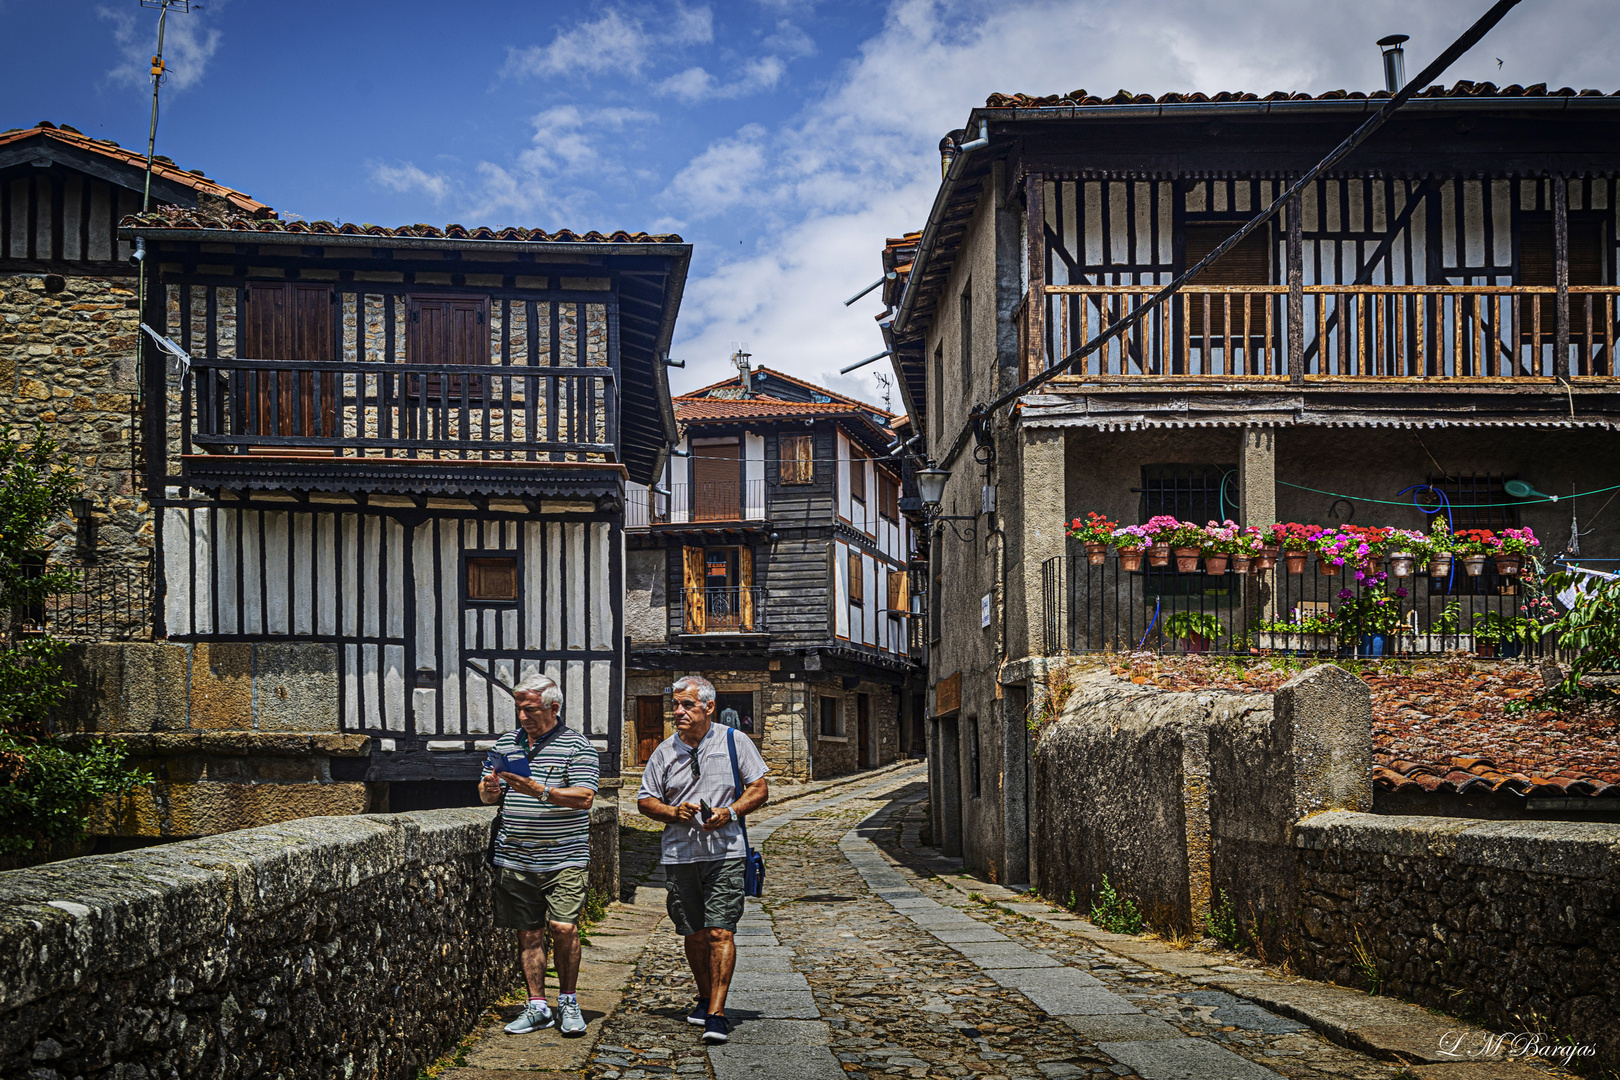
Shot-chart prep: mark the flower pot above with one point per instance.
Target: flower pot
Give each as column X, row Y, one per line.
column 1508, row 565
column 1294, row 643
column 1215, row 564
column 1474, row 565
column 1442, row 643
column 1400, row 564
column 1240, row 564
column 1326, row 567
column 1130, row 560
column 1187, row 560
column 1096, row 554
column 1197, row 643
column 1158, row 554
column 1440, row 566
column 1372, row 644
column 1295, row 561
column 1487, row 649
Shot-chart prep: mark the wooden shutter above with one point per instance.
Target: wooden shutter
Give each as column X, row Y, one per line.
column 1247, row 264
column 1536, row 251
column 899, row 591
column 797, row 453
column 888, row 495
column 492, row 580
column 716, row 487
column 692, row 571
column 745, row 587
column 449, row 331
column 286, row 320
column 857, row 583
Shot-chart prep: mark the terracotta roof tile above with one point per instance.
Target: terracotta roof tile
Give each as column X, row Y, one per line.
column 785, row 377
column 689, row 409
column 174, row 217
column 1462, row 89
column 161, row 166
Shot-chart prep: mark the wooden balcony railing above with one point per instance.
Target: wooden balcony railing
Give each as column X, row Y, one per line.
column 1490, row 332
column 374, row 410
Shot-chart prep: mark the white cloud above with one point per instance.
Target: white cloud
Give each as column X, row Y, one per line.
column 188, row 44
column 789, row 40
column 721, row 177
column 614, row 42
column 406, row 177
column 695, row 84
column 566, row 138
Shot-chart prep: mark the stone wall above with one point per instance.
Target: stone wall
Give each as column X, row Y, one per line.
column 1516, row 924
column 1122, row 789
column 67, row 360
column 340, row 947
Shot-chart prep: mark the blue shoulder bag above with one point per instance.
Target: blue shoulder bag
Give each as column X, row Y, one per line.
column 754, row 864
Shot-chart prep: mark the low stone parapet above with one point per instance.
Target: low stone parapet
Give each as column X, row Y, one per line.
column 1516, row 923
column 351, row 946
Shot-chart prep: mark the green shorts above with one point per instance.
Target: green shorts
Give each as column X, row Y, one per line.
column 704, row 895
column 525, row 900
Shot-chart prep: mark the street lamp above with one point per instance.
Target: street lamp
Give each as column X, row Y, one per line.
column 931, row 489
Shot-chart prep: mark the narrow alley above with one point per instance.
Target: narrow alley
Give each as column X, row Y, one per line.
column 856, row 965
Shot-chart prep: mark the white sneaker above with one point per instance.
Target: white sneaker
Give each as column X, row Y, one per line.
column 572, row 1021
column 533, row 1017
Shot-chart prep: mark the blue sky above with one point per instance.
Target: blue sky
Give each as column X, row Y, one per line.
column 784, row 138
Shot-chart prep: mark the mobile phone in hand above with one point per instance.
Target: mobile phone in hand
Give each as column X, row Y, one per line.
column 704, row 810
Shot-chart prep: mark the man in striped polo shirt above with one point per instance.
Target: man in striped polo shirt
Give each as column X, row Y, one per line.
column 543, row 848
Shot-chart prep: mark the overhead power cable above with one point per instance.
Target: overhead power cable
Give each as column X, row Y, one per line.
column 1423, row 79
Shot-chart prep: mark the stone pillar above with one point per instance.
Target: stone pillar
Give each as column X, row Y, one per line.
column 604, row 874
column 1312, row 754
column 1257, row 505
column 1040, row 521
column 1014, row 707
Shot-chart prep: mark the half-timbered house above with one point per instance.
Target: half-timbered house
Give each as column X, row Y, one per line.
column 1437, row 310
column 389, row 470
column 773, row 558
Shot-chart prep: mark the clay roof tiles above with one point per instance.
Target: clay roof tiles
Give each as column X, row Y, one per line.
column 1478, row 776
column 174, row 217
column 1461, row 89
column 689, row 408
column 161, row 166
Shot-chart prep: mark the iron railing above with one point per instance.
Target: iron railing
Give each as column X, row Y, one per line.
column 724, row 610
column 1101, row 608
column 726, row 500
column 107, row 603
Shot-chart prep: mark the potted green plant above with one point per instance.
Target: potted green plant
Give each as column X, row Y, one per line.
column 1129, row 541
column 1406, row 547
column 1439, row 549
column 1187, row 541
column 1296, row 542
column 1445, row 632
column 1474, row 547
column 1372, row 620
column 1222, row 542
column 1303, row 635
column 1198, row 629
column 1159, row 530
column 1505, row 636
column 1094, row 534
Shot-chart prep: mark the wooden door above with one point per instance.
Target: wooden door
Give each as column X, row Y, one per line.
column 863, row 728
column 716, row 482
column 290, row 321
column 649, row 726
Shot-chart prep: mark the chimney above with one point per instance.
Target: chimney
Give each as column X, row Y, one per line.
column 947, row 151
column 1394, row 62
column 744, row 371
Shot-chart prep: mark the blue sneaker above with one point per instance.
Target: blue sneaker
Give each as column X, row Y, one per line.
column 700, row 1012
column 715, row 1029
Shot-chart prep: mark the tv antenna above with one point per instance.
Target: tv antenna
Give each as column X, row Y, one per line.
column 158, row 73
column 885, row 380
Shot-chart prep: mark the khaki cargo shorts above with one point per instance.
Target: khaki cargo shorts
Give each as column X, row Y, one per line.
column 525, row 900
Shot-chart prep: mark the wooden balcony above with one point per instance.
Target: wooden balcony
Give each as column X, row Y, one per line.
column 1364, row 333
column 382, row 411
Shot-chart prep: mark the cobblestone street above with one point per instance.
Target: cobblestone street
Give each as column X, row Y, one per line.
column 856, row 966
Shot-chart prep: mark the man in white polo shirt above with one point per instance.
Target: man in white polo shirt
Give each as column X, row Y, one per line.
column 703, row 856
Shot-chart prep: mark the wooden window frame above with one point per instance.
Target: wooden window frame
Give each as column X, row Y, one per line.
column 857, row 577
column 965, row 330
column 838, row 716
column 471, row 559
column 799, row 468
column 888, row 495
column 857, row 475
column 458, row 390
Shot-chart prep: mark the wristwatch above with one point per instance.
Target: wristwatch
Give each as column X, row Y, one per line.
column 545, row 794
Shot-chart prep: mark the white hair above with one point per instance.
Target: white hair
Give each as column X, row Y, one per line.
column 704, row 688
column 544, row 685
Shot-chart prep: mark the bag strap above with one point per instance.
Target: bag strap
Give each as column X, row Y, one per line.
column 736, row 778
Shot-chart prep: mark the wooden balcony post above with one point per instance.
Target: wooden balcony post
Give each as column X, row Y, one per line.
column 1034, row 359
column 1561, row 274
column 1296, row 291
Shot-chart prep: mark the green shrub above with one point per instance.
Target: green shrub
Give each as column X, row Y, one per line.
column 1222, row 922
column 48, row 790
column 1115, row 913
